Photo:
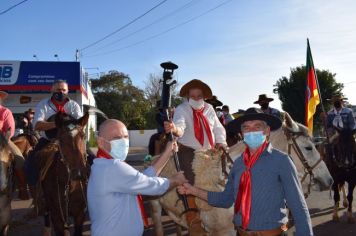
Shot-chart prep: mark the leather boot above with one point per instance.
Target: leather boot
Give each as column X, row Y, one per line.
column 193, row 219
column 21, row 182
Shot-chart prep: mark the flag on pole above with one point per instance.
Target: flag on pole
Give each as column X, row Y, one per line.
column 312, row 97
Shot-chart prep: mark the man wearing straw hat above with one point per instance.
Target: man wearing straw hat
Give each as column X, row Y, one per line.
column 7, row 124
column 264, row 101
column 261, row 183
column 197, row 127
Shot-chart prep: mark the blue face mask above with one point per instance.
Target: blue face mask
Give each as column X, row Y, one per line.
column 254, row 139
column 119, row 148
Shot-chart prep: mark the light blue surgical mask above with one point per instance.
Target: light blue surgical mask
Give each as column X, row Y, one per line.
column 119, row 148
column 254, row 139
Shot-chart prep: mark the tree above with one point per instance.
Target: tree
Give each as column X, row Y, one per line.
column 118, row 98
column 153, row 90
column 291, row 92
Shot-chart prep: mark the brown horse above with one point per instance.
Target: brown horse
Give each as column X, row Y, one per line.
column 6, row 167
column 25, row 142
column 341, row 161
column 64, row 174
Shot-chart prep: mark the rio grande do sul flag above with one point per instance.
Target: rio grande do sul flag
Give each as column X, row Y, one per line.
column 312, row 98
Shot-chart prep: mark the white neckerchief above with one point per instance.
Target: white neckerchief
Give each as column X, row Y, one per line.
column 337, row 122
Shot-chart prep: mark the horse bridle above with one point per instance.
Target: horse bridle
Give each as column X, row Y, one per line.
column 308, row 170
column 65, row 213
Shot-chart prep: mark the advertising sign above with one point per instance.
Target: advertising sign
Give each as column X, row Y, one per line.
column 37, row 76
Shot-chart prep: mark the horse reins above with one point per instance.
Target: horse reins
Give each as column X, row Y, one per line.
column 65, row 215
column 308, row 170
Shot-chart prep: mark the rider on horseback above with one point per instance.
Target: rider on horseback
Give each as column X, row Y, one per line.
column 7, row 122
column 197, row 127
column 45, row 109
column 340, row 118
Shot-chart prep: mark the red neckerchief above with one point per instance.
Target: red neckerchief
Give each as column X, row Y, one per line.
column 200, row 121
column 243, row 199
column 102, row 154
column 59, row 106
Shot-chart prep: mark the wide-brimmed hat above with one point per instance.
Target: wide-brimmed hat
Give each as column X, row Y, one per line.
column 195, row 83
column 3, row 94
column 263, row 98
column 335, row 97
column 254, row 113
column 214, row 101
column 31, row 110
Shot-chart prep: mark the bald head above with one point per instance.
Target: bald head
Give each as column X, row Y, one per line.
column 109, row 130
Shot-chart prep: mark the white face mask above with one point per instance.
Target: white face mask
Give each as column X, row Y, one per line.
column 119, row 148
column 197, row 105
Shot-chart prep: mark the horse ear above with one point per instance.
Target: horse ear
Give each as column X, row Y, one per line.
column 290, row 124
column 83, row 120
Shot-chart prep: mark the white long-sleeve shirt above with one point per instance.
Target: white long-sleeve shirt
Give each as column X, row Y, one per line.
column 183, row 120
column 112, row 196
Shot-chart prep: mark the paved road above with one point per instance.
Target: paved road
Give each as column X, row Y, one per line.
column 320, row 206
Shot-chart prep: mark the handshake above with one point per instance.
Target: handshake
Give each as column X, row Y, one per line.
column 179, row 180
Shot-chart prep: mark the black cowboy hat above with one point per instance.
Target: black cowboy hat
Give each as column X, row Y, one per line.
column 195, row 83
column 254, row 113
column 263, row 98
column 214, row 101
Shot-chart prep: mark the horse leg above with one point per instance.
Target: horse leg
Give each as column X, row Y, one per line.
column 350, row 217
column 5, row 230
column 336, row 201
column 47, row 225
column 78, row 224
column 156, row 210
column 345, row 203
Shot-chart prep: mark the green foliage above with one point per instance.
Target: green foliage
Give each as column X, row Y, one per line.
column 291, row 92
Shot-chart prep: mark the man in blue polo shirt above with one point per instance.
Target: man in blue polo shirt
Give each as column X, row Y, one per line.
column 261, row 183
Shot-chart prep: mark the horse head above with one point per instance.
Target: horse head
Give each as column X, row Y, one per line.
column 344, row 146
column 6, row 159
column 71, row 137
column 304, row 153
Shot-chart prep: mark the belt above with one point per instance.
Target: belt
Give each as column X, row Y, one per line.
column 271, row 232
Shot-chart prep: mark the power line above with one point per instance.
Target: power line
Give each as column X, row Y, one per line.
column 12, row 7
column 124, row 26
column 147, row 26
column 164, row 32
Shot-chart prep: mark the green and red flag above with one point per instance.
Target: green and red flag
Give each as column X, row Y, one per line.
column 312, row 96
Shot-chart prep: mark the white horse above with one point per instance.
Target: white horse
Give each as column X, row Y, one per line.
column 292, row 138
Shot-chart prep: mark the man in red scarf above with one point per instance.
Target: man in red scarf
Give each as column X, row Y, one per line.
column 197, row 127
column 261, row 183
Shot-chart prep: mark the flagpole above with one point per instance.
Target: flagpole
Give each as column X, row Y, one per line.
column 321, row 101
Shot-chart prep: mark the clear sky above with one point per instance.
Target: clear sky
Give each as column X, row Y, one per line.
column 240, row 48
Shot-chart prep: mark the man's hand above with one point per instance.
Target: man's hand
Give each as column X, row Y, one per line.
column 171, row 146
column 169, row 127
column 220, row 145
column 177, row 179
column 186, row 189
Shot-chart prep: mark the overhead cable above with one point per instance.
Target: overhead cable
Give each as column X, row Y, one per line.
column 12, row 7
column 124, row 26
column 149, row 25
column 163, row 32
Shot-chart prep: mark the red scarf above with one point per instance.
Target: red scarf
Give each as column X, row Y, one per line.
column 200, row 121
column 243, row 199
column 59, row 106
column 102, row 154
